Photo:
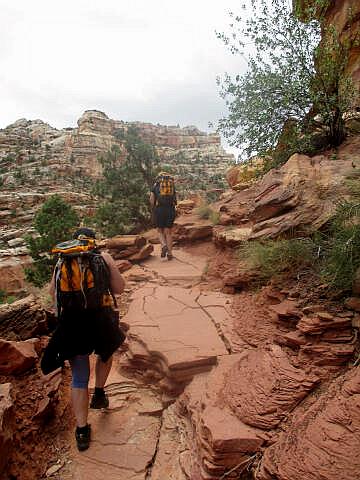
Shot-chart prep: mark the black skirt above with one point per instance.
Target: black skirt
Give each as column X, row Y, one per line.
column 82, row 332
column 164, row 216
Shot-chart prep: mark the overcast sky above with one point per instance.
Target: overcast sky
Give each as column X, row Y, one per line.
column 153, row 61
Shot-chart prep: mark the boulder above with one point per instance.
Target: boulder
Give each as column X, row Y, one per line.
column 231, row 237
column 190, row 227
column 17, row 357
column 12, row 274
column 24, row 319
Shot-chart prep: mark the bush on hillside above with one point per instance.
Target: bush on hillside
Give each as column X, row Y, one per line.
column 205, row 212
column 53, row 223
column 342, row 247
column 271, row 258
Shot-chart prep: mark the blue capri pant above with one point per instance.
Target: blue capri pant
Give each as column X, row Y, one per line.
column 80, row 368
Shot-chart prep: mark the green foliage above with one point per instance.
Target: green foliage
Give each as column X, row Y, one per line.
column 54, row 223
column 128, row 177
column 274, row 257
column 342, row 247
column 5, row 298
column 353, row 183
column 205, row 212
column 282, row 84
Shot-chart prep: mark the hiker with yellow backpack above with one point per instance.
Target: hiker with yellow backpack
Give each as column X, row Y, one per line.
column 83, row 286
column 163, row 203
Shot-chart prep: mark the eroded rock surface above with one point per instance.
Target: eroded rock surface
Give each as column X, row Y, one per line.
column 322, row 442
column 23, row 319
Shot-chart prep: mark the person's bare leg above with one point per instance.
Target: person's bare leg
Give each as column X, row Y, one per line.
column 80, row 404
column 162, row 236
column 102, row 370
column 169, row 239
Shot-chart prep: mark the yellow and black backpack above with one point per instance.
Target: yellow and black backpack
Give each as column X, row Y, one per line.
column 166, row 189
column 82, row 277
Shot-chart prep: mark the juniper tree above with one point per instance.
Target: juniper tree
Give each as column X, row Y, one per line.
column 53, row 223
column 123, row 190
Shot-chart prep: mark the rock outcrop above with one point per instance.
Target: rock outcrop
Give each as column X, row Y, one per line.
column 300, row 196
column 24, row 319
column 323, row 440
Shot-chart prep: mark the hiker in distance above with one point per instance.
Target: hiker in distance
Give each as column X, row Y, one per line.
column 163, row 203
column 83, row 287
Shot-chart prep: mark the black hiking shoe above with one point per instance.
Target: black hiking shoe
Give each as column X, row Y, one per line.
column 83, row 437
column 99, row 401
column 164, row 250
column 170, row 256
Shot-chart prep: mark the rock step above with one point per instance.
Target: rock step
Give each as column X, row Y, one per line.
column 172, row 335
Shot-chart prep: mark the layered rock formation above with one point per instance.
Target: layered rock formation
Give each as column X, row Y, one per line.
column 323, row 441
column 301, row 196
column 37, row 160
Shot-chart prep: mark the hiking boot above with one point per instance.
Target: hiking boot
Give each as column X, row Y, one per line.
column 170, row 256
column 164, row 250
column 83, row 437
column 99, row 401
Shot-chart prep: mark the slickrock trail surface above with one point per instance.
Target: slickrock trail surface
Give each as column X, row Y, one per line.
column 210, row 385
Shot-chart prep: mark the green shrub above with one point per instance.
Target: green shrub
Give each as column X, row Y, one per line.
column 353, row 183
column 273, row 257
column 5, row 298
column 214, row 217
column 204, row 211
column 54, row 223
column 342, row 247
column 2, row 296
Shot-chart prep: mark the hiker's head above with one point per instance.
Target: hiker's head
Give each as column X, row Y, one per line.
column 84, row 232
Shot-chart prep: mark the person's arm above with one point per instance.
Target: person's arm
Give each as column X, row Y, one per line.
column 117, row 282
column 152, row 199
column 52, row 286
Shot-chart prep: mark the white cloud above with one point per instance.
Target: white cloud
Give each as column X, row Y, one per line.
column 154, row 60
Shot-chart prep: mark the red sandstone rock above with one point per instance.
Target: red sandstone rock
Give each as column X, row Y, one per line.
column 23, row 319
column 291, row 339
column 191, row 227
column 216, row 439
column 172, row 334
column 51, row 384
column 143, row 253
column 6, row 423
column 302, row 193
column 327, row 353
column 17, row 357
column 353, row 303
column 286, row 310
column 269, row 389
column 123, row 265
column 316, row 325
column 323, row 442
